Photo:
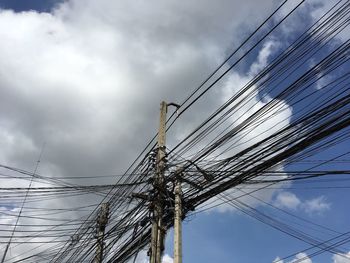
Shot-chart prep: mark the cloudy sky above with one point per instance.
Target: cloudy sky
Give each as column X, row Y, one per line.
column 85, row 79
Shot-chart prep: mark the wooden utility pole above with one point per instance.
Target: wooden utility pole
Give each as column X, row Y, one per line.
column 102, row 221
column 178, row 220
column 158, row 231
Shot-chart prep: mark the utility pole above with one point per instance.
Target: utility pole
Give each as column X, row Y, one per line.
column 101, row 221
column 158, row 231
column 178, row 219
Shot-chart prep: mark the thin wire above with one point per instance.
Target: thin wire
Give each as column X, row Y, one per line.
column 23, row 203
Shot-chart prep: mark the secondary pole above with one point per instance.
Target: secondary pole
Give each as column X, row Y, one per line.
column 178, row 220
column 102, row 221
column 158, row 231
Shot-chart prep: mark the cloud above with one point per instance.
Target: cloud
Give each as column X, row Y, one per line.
column 266, row 51
column 300, row 257
column 262, row 128
column 5, row 215
column 277, row 259
column 289, row 200
column 167, row 259
column 88, row 78
column 143, row 258
column 316, row 205
column 78, row 77
column 344, row 258
column 303, row 256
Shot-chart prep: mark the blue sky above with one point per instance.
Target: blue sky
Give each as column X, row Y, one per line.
column 71, row 60
column 20, row 5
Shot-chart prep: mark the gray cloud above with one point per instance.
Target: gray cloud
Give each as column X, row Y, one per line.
column 88, row 78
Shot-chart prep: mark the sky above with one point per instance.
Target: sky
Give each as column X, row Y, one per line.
column 81, row 81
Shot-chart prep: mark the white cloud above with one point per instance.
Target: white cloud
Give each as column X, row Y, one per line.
column 143, row 258
column 88, row 77
column 267, row 50
column 167, row 259
column 303, row 256
column 300, row 258
column 344, row 258
column 80, row 75
column 5, row 213
column 316, row 205
column 277, row 259
column 262, row 128
column 289, row 200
